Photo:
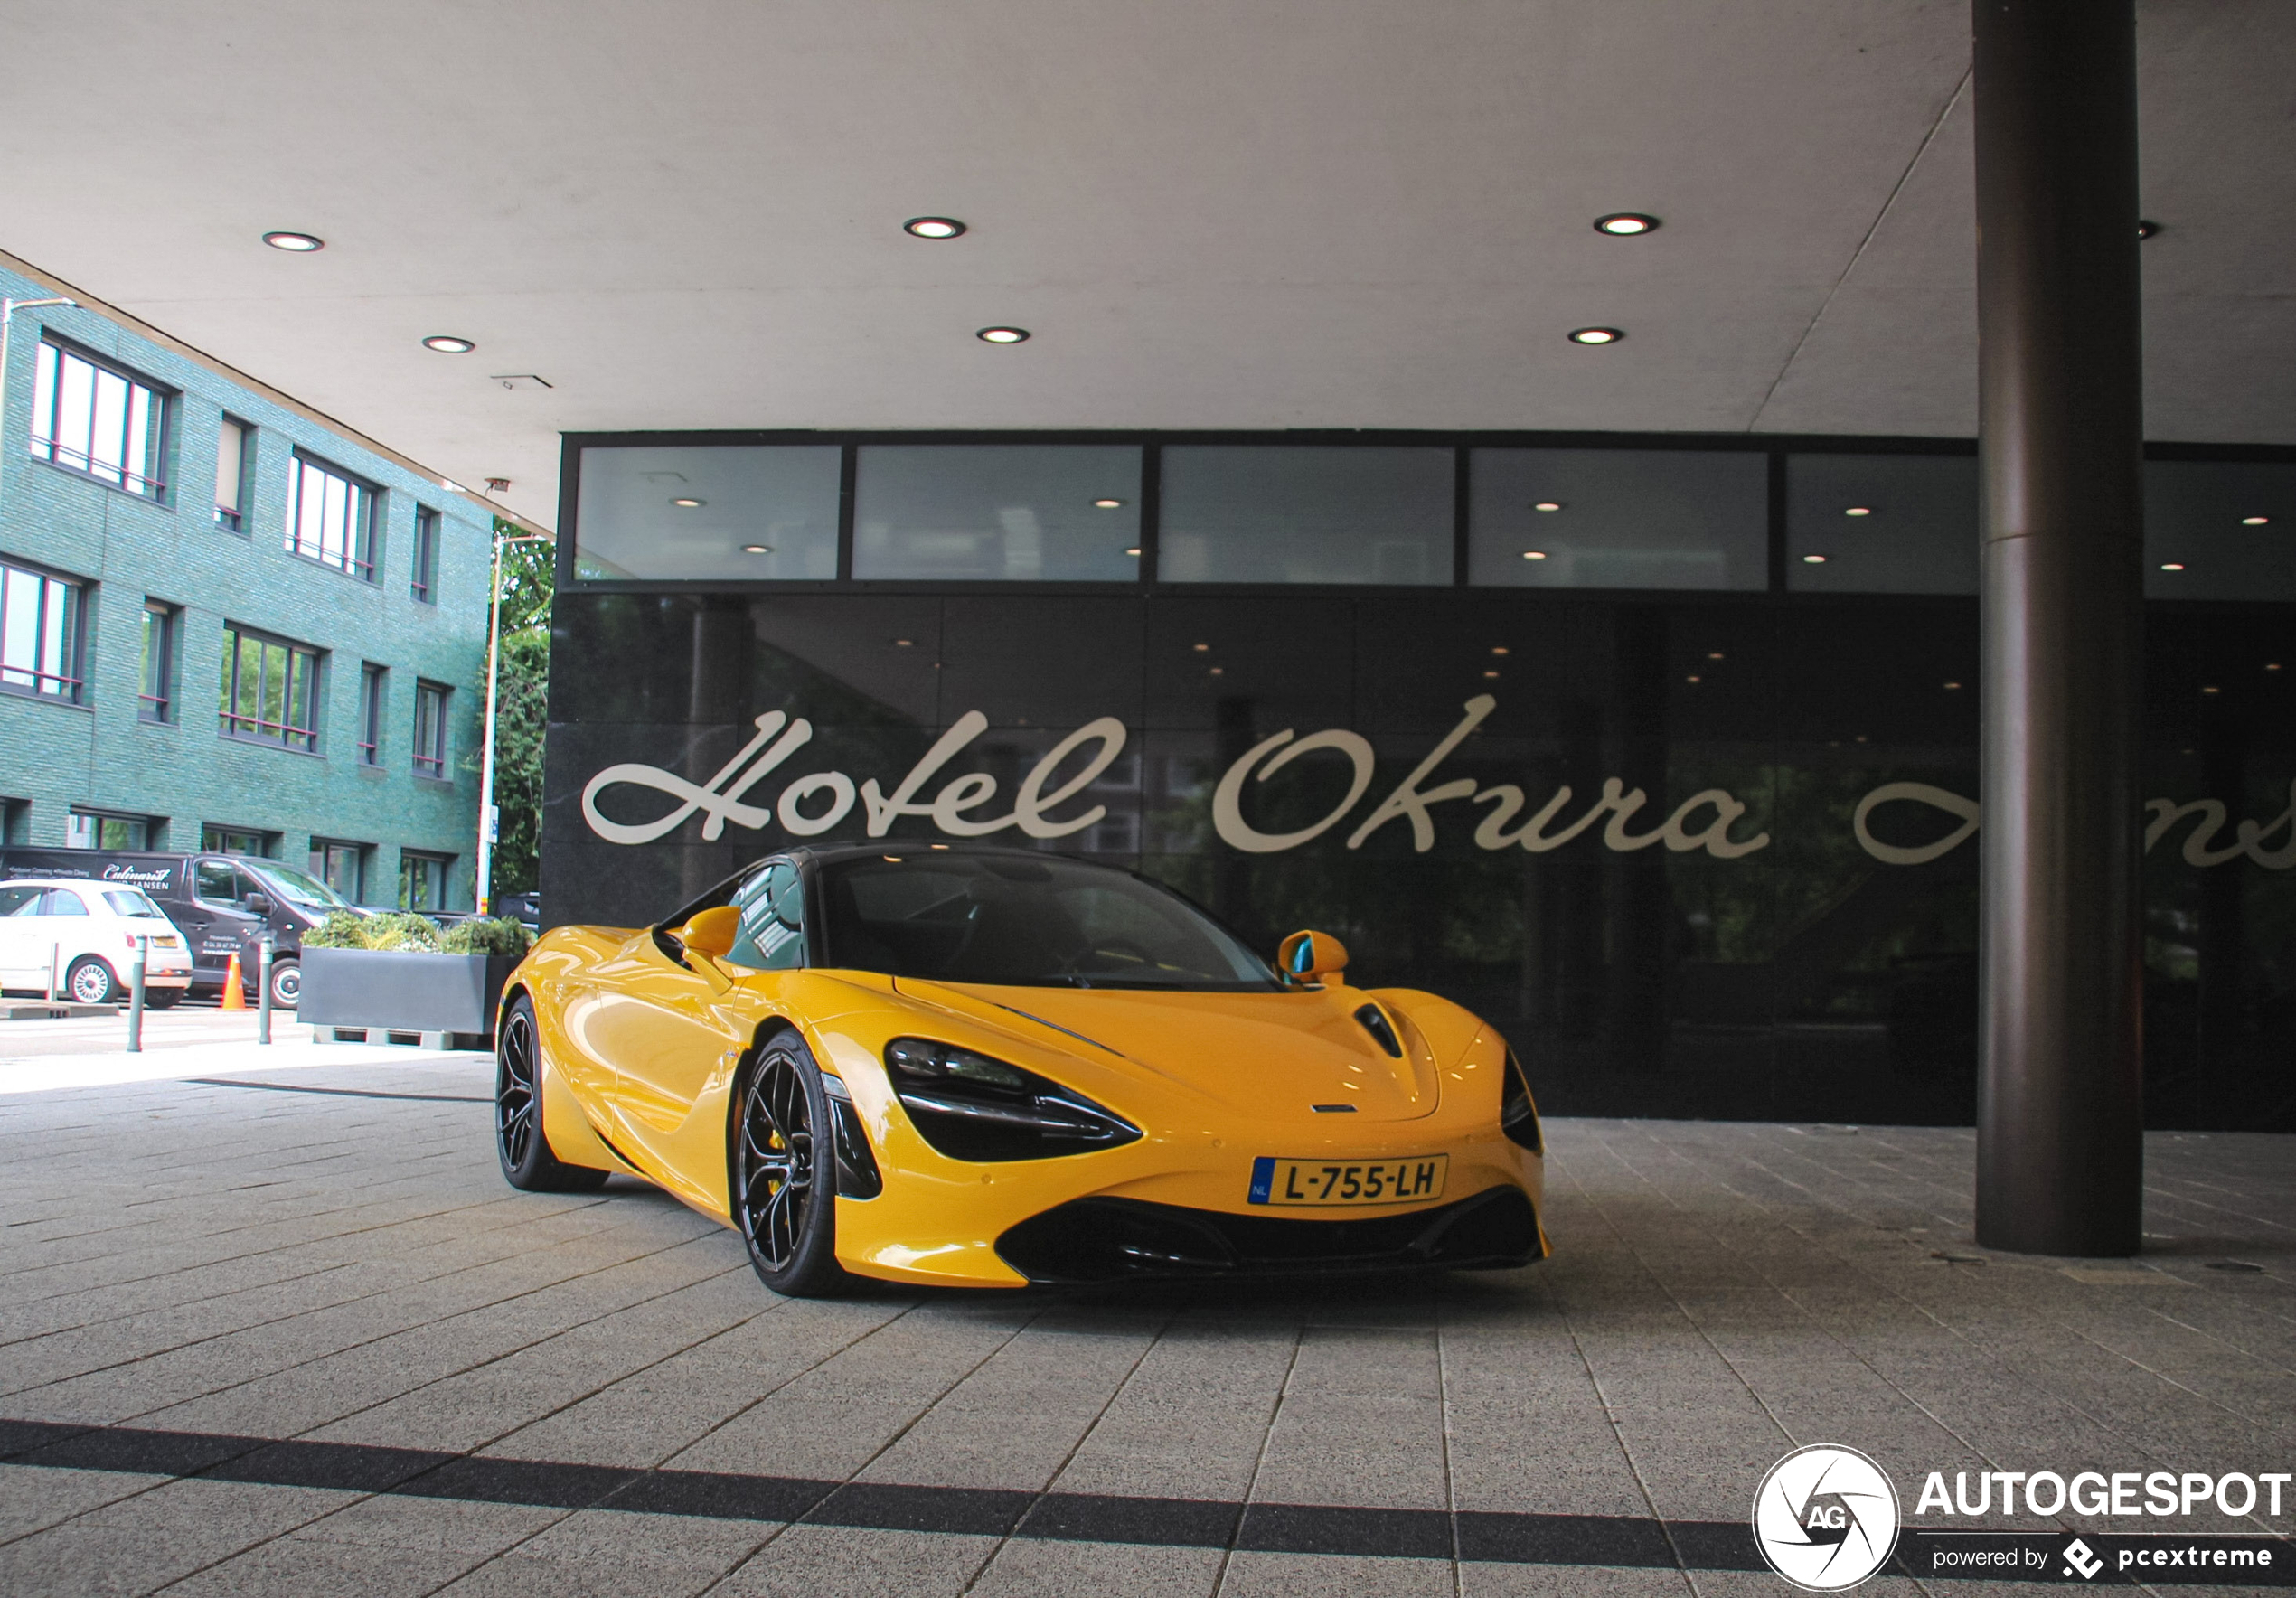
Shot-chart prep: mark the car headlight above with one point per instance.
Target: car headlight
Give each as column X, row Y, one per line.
column 1517, row 1116
column 969, row 1107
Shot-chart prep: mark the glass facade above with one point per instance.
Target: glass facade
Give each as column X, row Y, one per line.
column 1288, row 513
column 739, row 513
column 1881, row 524
column 2220, row 529
column 1045, row 512
column 1618, row 519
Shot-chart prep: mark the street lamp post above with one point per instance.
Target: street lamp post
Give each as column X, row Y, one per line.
column 487, row 826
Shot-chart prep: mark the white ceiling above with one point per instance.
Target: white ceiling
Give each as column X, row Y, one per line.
column 1213, row 213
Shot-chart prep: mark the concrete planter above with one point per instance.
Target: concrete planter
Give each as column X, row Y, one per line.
column 403, row 992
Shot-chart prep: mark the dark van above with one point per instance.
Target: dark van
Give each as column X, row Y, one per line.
column 222, row 903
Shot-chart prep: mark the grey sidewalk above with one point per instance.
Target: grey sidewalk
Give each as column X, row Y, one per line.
column 480, row 1379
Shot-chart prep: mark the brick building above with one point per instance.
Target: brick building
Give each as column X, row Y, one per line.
column 226, row 625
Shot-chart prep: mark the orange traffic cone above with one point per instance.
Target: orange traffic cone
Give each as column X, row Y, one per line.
column 234, row 985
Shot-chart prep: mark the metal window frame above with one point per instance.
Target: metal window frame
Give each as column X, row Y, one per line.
column 75, row 680
column 445, row 864
column 322, row 846
column 161, row 708
column 359, row 563
column 374, row 688
column 276, row 735
column 151, row 490
column 424, row 584
column 431, row 765
column 1777, row 446
column 237, row 521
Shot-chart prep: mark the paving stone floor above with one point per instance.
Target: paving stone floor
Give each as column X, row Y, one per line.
column 490, row 1392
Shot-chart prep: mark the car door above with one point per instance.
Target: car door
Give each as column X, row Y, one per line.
column 219, row 890
column 67, row 930
column 19, row 937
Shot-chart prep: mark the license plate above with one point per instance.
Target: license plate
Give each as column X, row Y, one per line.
column 1350, row 1181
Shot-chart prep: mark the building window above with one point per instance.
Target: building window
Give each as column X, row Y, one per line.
column 422, row 880
column 430, row 730
column 331, row 518
column 41, row 632
column 99, row 422
column 1005, row 512
column 425, row 581
column 373, row 680
column 341, row 866
column 215, row 839
column 1618, row 519
column 757, row 513
column 234, row 463
column 162, row 623
column 1307, row 514
column 270, row 691
column 103, row 828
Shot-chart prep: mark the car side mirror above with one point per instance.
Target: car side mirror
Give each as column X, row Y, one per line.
column 1313, row 957
column 257, row 904
column 712, row 932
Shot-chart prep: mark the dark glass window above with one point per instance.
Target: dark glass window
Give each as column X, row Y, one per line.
column 735, row 511
column 1233, row 513
column 341, row 866
column 219, row 839
column 41, row 634
column 2219, row 529
column 105, row 423
column 425, row 576
column 771, row 907
column 331, row 518
column 234, row 464
column 373, row 682
column 1619, row 519
column 430, row 730
column 95, row 829
column 1010, row 512
column 162, row 623
column 271, row 689
column 1881, row 523
column 422, row 880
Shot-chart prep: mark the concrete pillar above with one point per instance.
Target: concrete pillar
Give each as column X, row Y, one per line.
column 2060, row 1123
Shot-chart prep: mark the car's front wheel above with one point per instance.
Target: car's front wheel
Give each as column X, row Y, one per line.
column 162, row 998
column 287, row 984
column 784, row 1173
column 91, row 981
column 527, row 1160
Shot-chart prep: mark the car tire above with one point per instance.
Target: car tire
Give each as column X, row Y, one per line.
column 287, row 984
column 528, row 1163
column 782, row 1171
column 162, row 998
column 91, row 981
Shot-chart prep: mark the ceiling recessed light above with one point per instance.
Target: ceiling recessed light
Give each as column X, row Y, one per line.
column 1813, row 559
column 2147, row 230
column 2271, row 665
column 1596, row 335
column 446, row 343
column 1499, row 649
column 689, row 504
column 933, row 227
column 1491, row 673
column 300, row 243
column 757, row 548
column 2255, row 521
column 1214, row 672
column 1107, row 505
column 1003, row 335
column 904, row 643
column 2172, row 566
column 1714, row 654
column 1133, row 551
column 1859, row 511
column 1625, row 224
column 1949, row 686
column 1534, row 554
column 1203, row 648
column 1692, row 678
column 2212, row 688
column 1548, row 506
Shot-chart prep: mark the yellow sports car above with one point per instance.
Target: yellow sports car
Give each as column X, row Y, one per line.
column 990, row 1067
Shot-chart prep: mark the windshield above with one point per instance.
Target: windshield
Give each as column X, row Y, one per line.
column 130, row 901
column 297, row 888
column 1015, row 920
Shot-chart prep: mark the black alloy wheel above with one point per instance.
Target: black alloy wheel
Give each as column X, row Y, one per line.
column 784, row 1174
column 525, row 1153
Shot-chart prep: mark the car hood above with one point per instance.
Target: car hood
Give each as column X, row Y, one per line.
column 1270, row 1055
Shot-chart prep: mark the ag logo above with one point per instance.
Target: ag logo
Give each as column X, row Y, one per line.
column 1825, row 1518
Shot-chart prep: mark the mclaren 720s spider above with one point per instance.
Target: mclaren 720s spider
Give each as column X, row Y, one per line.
column 986, row 1068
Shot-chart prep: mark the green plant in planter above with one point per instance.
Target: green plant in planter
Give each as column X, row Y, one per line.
column 403, row 931
column 340, row 930
column 498, row 934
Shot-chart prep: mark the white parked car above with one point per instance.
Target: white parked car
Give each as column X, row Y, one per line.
column 84, row 933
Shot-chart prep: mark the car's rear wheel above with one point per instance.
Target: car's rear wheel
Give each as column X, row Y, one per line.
column 91, row 981
column 527, row 1160
column 783, row 1176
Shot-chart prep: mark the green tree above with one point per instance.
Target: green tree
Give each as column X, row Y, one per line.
column 523, row 685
